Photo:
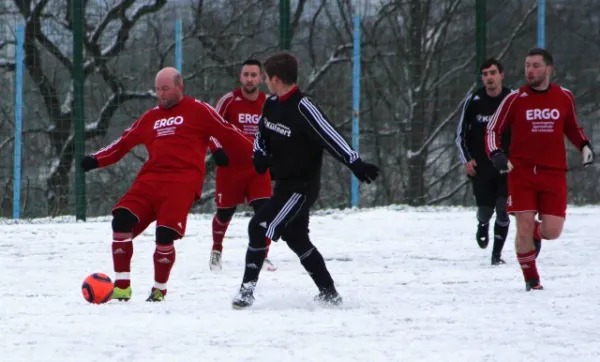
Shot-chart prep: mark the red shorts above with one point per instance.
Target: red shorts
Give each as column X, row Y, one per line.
column 166, row 203
column 536, row 189
column 235, row 186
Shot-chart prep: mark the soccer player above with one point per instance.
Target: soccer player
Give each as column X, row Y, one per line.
column 540, row 114
column 176, row 134
column 293, row 132
column 239, row 183
column 489, row 186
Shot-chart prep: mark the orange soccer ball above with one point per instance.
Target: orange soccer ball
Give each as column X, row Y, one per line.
column 97, row 288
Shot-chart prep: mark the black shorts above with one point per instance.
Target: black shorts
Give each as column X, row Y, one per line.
column 489, row 188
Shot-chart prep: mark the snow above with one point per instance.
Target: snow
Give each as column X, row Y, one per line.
column 415, row 284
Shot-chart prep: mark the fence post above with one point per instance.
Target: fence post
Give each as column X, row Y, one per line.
column 541, row 23
column 285, row 31
column 480, row 36
column 18, row 122
column 355, row 103
column 178, row 46
column 78, row 110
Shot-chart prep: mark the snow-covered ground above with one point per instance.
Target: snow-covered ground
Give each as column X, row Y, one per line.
column 415, row 284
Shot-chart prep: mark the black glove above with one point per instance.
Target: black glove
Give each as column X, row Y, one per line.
column 261, row 162
column 501, row 162
column 364, row 172
column 89, row 163
column 220, row 158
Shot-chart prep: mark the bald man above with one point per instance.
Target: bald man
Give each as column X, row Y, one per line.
column 176, row 134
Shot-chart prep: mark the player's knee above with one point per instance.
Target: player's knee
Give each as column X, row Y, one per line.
column 299, row 243
column 551, row 230
column 123, row 221
column 258, row 204
column 165, row 235
column 484, row 214
column 225, row 215
column 501, row 213
column 257, row 233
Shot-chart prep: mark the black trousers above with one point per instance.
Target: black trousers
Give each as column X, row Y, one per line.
column 488, row 188
column 286, row 215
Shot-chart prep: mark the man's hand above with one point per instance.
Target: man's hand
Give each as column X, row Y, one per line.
column 470, row 168
column 501, row 162
column 261, row 162
column 220, row 158
column 587, row 154
column 364, row 172
column 89, row 163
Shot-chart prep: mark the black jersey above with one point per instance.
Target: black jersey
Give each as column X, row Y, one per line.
column 478, row 109
column 294, row 131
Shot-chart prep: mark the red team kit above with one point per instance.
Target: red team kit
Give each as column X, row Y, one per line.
column 239, row 183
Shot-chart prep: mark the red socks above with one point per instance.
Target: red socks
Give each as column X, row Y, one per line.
column 122, row 251
column 527, row 262
column 218, row 232
column 164, row 258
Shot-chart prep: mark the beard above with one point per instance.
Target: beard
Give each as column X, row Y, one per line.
column 250, row 89
column 167, row 103
column 535, row 82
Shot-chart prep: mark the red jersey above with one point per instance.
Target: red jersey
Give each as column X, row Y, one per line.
column 176, row 139
column 241, row 112
column 538, row 122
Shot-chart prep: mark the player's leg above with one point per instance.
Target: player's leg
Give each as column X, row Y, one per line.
column 553, row 207
column 172, row 207
column 229, row 188
column 502, row 220
column 523, row 204
column 296, row 235
column 256, row 205
column 131, row 216
column 485, row 200
column 269, row 222
column 220, row 224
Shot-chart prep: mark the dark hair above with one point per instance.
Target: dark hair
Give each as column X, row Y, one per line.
column 488, row 63
column 284, row 65
column 252, row 62
column 544, row 53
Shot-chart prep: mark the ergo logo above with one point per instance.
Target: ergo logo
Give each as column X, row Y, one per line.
column 165, row 122
column 542, row 114
column 248, row 118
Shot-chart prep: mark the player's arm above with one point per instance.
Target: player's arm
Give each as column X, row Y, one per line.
column 222, row 108
column 112, row 153
column 499, row 122
column 575, row 134
column 320, row 129
column 461, row 132
column 261, row 143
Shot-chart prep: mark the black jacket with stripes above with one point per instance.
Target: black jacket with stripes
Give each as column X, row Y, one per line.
column 477, row 111
column 293, row 131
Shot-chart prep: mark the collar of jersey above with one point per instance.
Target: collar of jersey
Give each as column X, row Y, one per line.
column 284, row 97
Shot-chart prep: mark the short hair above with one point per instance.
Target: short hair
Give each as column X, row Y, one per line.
column 488, row 63
column 252, row 61
column 284, row 65
column 544, row 53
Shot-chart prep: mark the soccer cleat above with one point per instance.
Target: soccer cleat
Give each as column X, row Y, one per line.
column 496, row 260
column 156, row 295
column 329, row 296
column 533, row 284
column 268, row 265
column 245, row 297
column 538, row 246
column 122, row 294
column 215, row 261
column 482, row 236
